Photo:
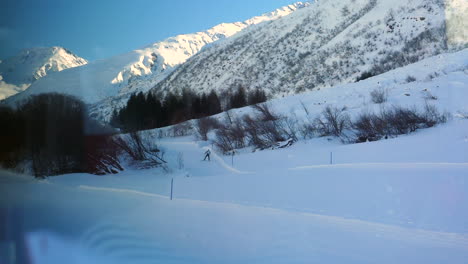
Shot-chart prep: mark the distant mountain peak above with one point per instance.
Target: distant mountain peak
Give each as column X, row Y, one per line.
column 117, row 77
column 326, row 44
column 29, row 65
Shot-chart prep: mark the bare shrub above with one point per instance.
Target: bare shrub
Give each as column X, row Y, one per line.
column 102, row 155
column 291, row 127
column 395, row 121
column 332, row 122
column 265, row 113
column 378, row 96
column 181, row 129
column 204, row 126
column 262, row 134
column 144, row 153
column 253, row 133
column 230, row 137
column 410, row 79
column 307, row 130
column 266, row 128
column 369, row 127
column 262, row 130
column 223, row 142
column 431, row 116
column 306, row 110
column 133, row 146
column 228, row 117
column 402, row 120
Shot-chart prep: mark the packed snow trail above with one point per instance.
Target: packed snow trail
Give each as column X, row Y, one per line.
column 421, row 187
column 193, row 154
column 188, row 231
column 292, row 208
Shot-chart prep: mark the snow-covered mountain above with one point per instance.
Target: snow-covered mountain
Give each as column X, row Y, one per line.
column 19, row 72
column 141, row 69
column 396, row 197
column 326, row 44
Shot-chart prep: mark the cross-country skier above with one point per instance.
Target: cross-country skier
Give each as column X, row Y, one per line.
column 207, row 155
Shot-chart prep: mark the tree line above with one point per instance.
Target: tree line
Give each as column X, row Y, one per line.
column 147, row 111
column 52, row 134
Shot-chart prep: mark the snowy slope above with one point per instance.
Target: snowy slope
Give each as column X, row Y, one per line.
column 401, row 200
column 141, row 69
column 325, row 44
column 19, row 72
column 237, row 218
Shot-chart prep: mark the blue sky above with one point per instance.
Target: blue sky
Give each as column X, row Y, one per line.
column 96, row 29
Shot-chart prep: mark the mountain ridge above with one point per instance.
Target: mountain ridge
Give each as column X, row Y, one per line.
column 325, row 44
column 18, row 72
column 141, row 69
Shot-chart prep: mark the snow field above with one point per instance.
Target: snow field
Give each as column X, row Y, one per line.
column 400, row 200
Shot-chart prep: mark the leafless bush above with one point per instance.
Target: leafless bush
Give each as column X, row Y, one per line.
column 228, row 117
column 140, row 150
column 102, row 155
column 223, row 142
column 378, row 96
column 266, row 129
column 133, row 146
column 291, row 127
column 205, row 125
column 369, row 127
column 253, row 133
column 396, row 121
column 181, row 129
column 262, row 134
column 306, row 110
column 307, row 130
column 431, row 116
column 332, row 122
column 262, row 130
column 410, row 79
column 402, row 120
column 265, row 113
column 230, row 137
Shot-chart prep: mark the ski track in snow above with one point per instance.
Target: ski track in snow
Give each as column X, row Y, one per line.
column 389, row 165
column 192, row 149
column 223, row 163
column 117, row 190
column 109, row 237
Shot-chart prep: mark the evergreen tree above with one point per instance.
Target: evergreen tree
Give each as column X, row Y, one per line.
column 154, row 112
column 214, row 105
column 115, row 119
column 257, row 96
column 197, row 107
column 239, row 100
column 174, row 109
